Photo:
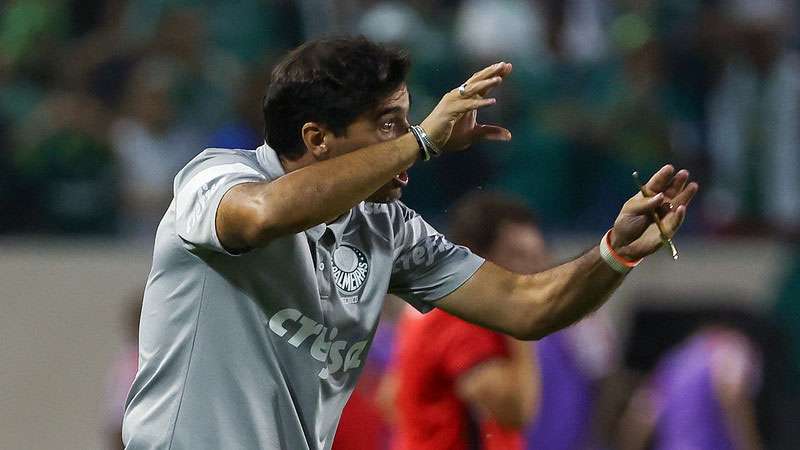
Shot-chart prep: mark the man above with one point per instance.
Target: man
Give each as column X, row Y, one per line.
column 700, row 395
column 475, row 388
column 577, row 367
column 270, row 266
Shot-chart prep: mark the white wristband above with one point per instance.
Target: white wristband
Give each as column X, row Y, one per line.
column 613, row 259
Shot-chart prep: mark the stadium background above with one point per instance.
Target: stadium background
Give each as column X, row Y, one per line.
column 101, row 101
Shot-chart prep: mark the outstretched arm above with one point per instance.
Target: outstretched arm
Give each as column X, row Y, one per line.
column 252, row 214
column 533, row 306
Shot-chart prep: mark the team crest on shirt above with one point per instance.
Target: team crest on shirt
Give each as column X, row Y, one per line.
column 350, row 270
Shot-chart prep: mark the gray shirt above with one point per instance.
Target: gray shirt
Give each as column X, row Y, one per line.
column 262, row 350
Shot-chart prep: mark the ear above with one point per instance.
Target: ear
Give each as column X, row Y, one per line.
column 314, row 138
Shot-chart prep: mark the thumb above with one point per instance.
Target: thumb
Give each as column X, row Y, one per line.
column 492, row 133
column 644, row 205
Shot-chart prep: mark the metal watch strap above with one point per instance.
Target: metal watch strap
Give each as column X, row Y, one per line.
column 428, row 148
column 417, row 131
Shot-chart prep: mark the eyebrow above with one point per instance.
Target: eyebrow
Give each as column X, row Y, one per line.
column 392, row 110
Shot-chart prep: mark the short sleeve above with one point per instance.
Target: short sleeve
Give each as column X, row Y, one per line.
column 199, row 189
column 468, row 345
column 426, row 265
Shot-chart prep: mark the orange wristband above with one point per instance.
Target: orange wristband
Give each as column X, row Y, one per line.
column 614, row 259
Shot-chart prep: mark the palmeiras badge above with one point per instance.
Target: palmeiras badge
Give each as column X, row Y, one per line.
column 350, row 268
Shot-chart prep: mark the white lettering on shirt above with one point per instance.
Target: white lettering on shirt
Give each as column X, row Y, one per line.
column 323, row 349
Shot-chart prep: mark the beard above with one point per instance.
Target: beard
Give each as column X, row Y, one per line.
column 391, row 191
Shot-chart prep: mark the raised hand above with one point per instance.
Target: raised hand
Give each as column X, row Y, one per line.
column 452, row 124
column 635, row 234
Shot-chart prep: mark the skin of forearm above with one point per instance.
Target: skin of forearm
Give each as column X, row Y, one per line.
column 496, row 390
column 524, row 370
column 323, row 191
column 564, row 294
column 513, row 410
column 741, row 421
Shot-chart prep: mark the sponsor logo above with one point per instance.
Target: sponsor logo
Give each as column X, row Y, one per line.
column 337, row 354
column 424, row 254
column 350, row 269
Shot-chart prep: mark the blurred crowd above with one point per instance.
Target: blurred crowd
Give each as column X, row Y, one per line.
column 102, row 101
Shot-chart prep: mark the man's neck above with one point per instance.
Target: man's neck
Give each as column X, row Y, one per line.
column 290, row 165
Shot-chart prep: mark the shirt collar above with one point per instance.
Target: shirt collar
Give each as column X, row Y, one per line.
column 336, row 228
column 269, row 161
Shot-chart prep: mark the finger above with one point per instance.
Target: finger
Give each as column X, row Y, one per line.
column 685, row 196
column 639, row 204
column 495, row 69
column 492, row 133
column 460, row 107
column 677, row 184
column 505, row 70
column 480, row 87
column 502, row 74
column 673, row 221
column 660, row 180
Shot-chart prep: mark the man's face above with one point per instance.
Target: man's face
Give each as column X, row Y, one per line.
column 520, row 248
column 388, row 121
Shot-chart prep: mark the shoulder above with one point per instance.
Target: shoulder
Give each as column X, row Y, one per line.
column 407, row 223
column 213, row 162
column 396, row 212
column 212, row 157
column 387, row 219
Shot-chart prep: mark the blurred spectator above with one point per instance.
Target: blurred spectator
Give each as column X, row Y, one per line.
column 496, row 30
column 122, row 372
column 701, row 395
column 68, row 172
column 576, row 365
column 589, row 124
column 577, row 29
column 786, row 314
column 204, row 76
column 475, row 387
column 8, row 183
column 97, row 60
column 246, row 130
column 365, row 421
column 151, row 145
column 787, row 306
column 629, row 118
column 249, row 29
column 754, row 124
column 29, row 32
column 30, row 35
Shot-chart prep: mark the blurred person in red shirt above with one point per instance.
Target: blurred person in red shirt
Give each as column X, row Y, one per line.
column 457, row 385
column 365, row 423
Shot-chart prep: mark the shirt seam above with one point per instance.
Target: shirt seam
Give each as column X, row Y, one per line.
column 189, row 363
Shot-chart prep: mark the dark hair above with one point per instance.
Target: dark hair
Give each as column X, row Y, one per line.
column 331, row 81
column 476, row 218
